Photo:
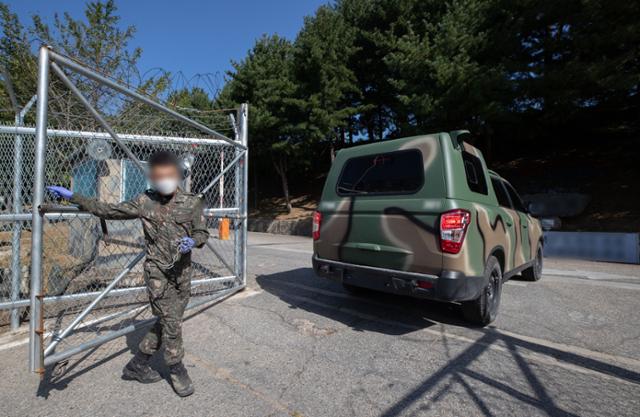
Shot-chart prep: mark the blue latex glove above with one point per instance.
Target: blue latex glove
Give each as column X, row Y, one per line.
column 60, row 192
column 186, row 244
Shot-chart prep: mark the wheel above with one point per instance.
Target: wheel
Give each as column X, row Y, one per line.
column 534, row 273
column 484, row 309
column 353, row 290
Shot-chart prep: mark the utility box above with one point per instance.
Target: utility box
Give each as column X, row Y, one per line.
column 111, row 181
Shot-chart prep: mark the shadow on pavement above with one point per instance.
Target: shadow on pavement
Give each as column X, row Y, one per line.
column 59, row 376
column 395, row 315
column 300, row 288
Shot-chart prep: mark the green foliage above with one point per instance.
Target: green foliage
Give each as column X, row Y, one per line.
column 97, row 40
column 509, row 70
column 326, row 85
column 17, row 59
column 265, row 80
column 576, row 64
column 363, row 70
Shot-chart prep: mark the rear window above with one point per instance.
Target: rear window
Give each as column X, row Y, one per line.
column 398, row 172
column 475, row 174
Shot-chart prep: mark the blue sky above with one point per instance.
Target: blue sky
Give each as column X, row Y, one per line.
column 189, row 35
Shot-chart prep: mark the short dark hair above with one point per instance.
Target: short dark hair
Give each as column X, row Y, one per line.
column 163, row 158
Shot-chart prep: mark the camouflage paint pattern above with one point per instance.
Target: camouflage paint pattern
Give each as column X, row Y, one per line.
column 402, row 231
column 389, row 231
column 167, row 272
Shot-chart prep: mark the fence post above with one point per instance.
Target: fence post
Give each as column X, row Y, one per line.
column 17, row 226
column 36, row 330
column 16, row 269
column 16, row 206
column 243, row 123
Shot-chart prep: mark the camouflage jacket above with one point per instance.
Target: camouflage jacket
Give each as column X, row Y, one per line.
column 164, row 221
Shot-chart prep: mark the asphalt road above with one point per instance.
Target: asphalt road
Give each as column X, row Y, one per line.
column 293, row 344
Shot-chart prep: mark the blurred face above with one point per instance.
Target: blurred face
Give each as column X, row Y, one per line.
column 164, row 178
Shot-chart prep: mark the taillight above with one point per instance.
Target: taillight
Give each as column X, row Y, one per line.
column 317, row 221
column 453, row 228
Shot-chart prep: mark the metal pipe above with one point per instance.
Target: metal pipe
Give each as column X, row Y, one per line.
column 137, row 310
column 73, row 213
column 221, row 173
column 120, row 291
column 66, row 81
column 22, row 217
column 57, row 338
column 28, row 106
column 237, row 244
column 125, row 137
column 124, row 90
column 225, row 216
column 53, row 359
column 16, row 270
column 109, row 317
column 244, row 138
column 36, row 329
column 222, row 210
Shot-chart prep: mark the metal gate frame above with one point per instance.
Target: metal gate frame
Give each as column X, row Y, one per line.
column 39, row 356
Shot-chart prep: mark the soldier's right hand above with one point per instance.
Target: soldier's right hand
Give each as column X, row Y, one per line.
column 60, row 192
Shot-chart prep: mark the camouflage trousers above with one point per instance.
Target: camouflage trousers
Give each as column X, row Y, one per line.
column 168, row 295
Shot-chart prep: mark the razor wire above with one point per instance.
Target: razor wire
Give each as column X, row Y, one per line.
column 91, row 283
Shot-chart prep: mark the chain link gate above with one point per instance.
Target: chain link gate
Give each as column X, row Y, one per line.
column 93, row 135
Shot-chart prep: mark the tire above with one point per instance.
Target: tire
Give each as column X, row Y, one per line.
column 535, row 272
column 484, row 309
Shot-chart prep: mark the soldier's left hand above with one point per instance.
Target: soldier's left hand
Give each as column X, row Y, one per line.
column 186, row 244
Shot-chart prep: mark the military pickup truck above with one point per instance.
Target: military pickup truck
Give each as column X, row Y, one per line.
column 424, row 217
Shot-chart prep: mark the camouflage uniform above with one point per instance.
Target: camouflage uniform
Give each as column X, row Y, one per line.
column 164, row 220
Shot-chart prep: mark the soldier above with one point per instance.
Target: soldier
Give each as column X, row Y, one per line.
column 173, row 224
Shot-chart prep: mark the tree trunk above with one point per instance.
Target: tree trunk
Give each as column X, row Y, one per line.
column 285, row 190
column 281, row 168
column 370, row 130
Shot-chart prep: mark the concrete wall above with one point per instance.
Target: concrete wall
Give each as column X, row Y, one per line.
column 301, row 227
column 594, row 246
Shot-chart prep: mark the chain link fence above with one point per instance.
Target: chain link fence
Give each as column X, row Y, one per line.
column 93, row 136
column 16, row 166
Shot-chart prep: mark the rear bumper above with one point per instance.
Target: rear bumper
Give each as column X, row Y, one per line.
column 447, row 286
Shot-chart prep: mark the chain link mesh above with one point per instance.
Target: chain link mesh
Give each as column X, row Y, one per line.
column 79, row 259
column 15, row 237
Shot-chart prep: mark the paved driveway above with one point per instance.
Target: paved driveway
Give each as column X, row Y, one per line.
column 293, row 344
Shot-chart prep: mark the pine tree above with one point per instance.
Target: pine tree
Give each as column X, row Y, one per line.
column 264, row 79
column 327, row 86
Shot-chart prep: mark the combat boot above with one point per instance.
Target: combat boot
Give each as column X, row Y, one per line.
column 138, row 369
column 180, row 380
